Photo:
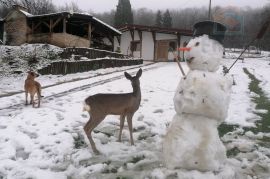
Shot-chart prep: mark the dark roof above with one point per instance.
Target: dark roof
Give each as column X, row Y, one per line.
column 156, row 29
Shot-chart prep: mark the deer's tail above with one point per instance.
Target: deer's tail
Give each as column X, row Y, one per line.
column 86, row 107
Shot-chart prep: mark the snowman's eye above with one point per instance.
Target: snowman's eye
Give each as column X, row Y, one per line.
column 197, row 44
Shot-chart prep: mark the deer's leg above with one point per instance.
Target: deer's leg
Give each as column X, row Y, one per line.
column 26, row 98
column 129, row 120
column 122, row 121
column 88, row 128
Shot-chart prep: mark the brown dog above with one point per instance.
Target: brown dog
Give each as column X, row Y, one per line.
column 32, row 87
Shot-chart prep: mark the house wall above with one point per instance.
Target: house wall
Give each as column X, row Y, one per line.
column 147, row 46
column 125, row 43
column 15, row 28
column 148, row 43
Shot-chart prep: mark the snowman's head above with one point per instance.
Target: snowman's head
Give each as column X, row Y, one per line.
column 203, row 54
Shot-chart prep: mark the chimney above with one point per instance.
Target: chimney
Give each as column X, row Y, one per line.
column 19, row 7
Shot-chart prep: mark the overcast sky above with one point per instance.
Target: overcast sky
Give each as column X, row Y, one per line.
column 107, row 5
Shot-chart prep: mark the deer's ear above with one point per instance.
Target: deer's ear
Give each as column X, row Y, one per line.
column 128, row 76
column 139, row 73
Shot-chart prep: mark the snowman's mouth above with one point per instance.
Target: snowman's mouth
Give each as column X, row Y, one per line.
column 189, row 60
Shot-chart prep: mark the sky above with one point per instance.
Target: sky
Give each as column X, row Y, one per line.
column 99, row 6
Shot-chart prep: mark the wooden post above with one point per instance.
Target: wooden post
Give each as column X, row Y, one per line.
column 51, row 25
column 178, row 45
column 154, row 40
column 89, row 33
column 140, row 36
column 64, row 25
column 132, row 37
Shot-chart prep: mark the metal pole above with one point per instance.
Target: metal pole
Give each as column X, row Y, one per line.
column 209, row 11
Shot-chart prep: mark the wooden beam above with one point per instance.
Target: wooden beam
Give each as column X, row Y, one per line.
column 57, row 21
column 132, row 34
column 140, row 36
column 32, row 27
column 44, row 22
column 132, row 38
column 178, row 45
column 119, row 39
column 51, row 25
column 64, row 25
column 90, row 33
column 154, row 40
column 36, row 26
column 112, row 41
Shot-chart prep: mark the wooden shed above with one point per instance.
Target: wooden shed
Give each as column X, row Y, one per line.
column 63, row 29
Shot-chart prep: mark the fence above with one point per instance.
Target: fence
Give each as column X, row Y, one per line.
column 89, row 53
column 62, row 67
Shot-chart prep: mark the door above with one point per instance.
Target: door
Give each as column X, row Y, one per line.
column 162, row 50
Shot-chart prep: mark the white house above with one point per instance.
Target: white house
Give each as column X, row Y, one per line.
column 152, row 43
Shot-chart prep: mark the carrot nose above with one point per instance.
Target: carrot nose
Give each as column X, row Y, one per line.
column 184, row 49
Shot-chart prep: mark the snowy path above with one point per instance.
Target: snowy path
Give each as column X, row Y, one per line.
column 65, row 87
column 49, row 142
column 41, row 141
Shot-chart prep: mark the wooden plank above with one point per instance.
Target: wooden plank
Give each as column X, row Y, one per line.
column 154, row 41
column 51, row 24
column 90, row 34
column 36, row 26
column 64, row 25
column 57, row 22
column 140, row 36
column 178, row 45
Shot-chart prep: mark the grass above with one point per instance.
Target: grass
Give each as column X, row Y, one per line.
column 262, row 102
column 263, row 125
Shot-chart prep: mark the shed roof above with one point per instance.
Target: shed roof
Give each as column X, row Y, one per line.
column 127, row 27
column 82, row 16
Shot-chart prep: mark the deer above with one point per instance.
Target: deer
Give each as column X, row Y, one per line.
column 32, row 87
column 124, row 104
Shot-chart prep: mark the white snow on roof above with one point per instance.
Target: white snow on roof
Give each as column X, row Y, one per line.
column 84, row 13
column 114, row 29
column 27, row 14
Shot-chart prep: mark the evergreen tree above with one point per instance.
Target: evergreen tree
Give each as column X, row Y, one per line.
column 123, row 14
column 167, row 19
column 158, row 21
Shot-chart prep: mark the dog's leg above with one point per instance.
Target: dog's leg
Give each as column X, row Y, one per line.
column 32, row 100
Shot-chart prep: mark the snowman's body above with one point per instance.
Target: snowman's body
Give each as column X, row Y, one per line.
column 201, row 102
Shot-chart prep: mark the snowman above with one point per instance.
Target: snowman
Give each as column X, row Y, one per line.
column 201, row 103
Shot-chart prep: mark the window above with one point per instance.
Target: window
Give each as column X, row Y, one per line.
column 135, row 46
column 172, row 46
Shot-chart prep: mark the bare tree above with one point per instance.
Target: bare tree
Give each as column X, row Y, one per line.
column 73, row 7
column 33, row 6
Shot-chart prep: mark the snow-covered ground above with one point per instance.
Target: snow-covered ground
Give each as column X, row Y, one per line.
column 49, row 142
